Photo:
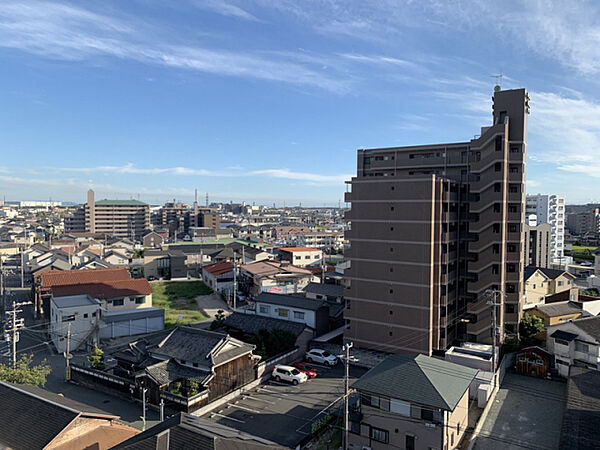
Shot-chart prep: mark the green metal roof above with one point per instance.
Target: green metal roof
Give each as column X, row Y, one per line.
column 418, row 379
column 121, row 203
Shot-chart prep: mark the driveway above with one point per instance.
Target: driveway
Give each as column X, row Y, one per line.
column 211, row 304
column 526, row 414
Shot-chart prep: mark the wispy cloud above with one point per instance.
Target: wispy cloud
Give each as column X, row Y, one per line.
column 131, row 169
column 65, row 32
column 225, row 8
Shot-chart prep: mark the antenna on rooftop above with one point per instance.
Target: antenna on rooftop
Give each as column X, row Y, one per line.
column 498, row 78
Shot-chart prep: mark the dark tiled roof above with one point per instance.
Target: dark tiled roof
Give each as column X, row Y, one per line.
column 559, row 309
column 252, row 324
column 581, row 420
column 564, row 335
column 418, row 379
column 591, row 325
column 29, row 420
column 291, row 301
column 186, row 432
column 166, row 372
column 330, row 290
column 550, row 273
column 201, row 346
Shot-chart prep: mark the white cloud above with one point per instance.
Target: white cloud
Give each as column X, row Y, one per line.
column 225, row 8
column 64, row 32
column 237, row 172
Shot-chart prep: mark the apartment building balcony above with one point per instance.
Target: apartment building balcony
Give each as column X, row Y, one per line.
column 348, row 197
column 481, row 326
column 516, row 197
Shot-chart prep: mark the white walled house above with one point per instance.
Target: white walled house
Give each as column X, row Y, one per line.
column 313, row 313
column 302, row 256
column 575, row 343
column 77, row 315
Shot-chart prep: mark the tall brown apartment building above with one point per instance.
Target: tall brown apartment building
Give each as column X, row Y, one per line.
column 121, row 218
column 432, row 228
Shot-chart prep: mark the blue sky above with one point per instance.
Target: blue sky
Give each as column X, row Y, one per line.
column 268, row 100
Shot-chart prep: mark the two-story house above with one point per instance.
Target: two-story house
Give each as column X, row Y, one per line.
column 302, row 256
column 313, row 313
column 74, row 321
column 541, row 282
column 412, row 402
column 575, row 343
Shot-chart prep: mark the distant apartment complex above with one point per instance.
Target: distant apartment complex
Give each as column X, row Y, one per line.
column 550, row 209
column 432, row 228
column 122, row 218
column 583, row 223
column 180, row 217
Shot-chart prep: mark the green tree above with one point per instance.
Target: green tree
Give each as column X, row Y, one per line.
column 96, row 359
column 25, row 372
column 529, row 327
column 219, row 320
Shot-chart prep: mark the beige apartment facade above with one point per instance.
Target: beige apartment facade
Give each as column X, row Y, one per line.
column 121, row 218
column 432, row 229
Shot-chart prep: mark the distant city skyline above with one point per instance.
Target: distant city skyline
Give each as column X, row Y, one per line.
column 268, row 101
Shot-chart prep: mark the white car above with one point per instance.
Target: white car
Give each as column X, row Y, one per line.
column 288, row 373
column 321, row 356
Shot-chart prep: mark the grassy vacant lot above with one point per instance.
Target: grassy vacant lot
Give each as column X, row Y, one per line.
column 580, row 249
column 179, row 298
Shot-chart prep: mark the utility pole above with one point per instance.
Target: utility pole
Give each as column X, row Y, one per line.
column 144, row 408
column 22, row 271
column 494, row 303
column 322, row 268
column 68, row 354
column 12, row 333
column 234, row 281
column 347, row 348
column 162, row 409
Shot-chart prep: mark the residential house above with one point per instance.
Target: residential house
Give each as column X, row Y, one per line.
column 167, row 264
column 325, row 291
column 274, row 277
column 152, row 239
column 412, row 402
column 116, row 258
column 188, row 367
column 555, row 313
column 575, row 343
column 302, row 256
column 246, row 326
column 313, row 313
column 74, row 321
column 184, row 431
column 540, row 282
column 219, row 277
column 33, row 418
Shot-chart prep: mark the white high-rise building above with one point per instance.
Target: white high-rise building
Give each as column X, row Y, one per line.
column 550, row 209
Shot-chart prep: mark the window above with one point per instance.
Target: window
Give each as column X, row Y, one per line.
column 283, row 312
column 427, row 414
column 581, row 347
column 379, row 435
column 69, row 318
column 497, row 187
column 498, row 167
column 264, row 309
column 560, row 283
column 400, row 407
column 509, row 308
column 409, row 442
column 308, row 257
column 298, row 257
column 118, row 302
column 298, row 315
column 85, row 316
column 354, row 427
column 140, row 300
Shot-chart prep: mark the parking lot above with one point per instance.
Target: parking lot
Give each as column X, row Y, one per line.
column 282, row 412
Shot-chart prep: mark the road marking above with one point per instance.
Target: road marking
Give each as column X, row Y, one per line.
column 227, row 417
column 278, row 383
column 244, row 408
column 272, row 392
column 259, row 399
